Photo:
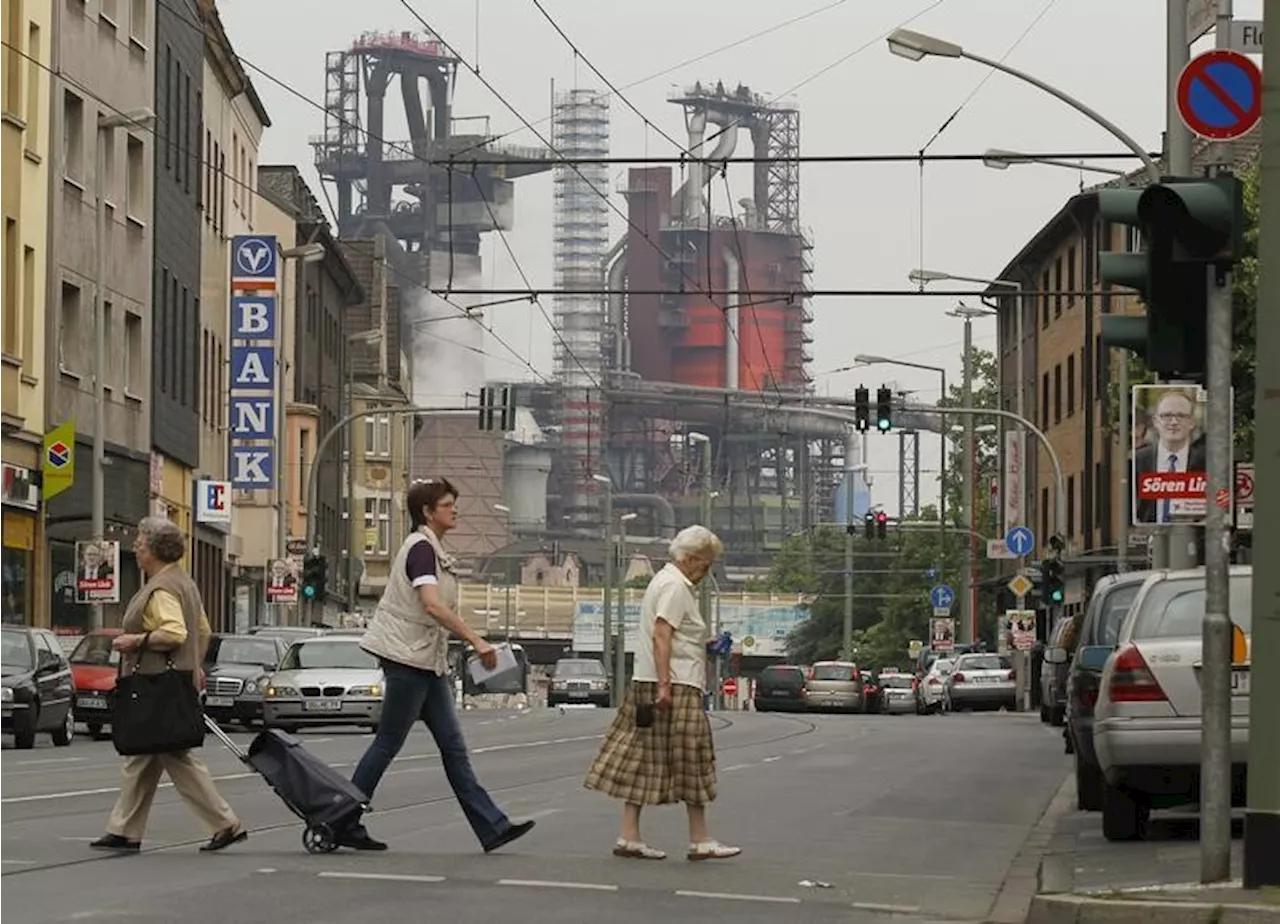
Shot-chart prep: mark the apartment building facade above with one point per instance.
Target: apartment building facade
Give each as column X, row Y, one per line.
column 100, row 148
column 234, row 120
column 379, row 446
column 24, row 200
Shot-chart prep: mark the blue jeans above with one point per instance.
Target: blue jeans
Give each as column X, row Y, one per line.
column 417, row 694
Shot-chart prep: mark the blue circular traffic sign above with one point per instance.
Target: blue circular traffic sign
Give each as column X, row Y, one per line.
column 1220, row 95
column 942, row 597
column 1020, row 540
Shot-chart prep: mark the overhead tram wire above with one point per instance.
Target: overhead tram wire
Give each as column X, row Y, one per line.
column 685, row 152
column 644, row 235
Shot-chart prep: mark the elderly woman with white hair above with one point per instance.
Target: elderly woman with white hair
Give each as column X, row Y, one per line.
column 659, row 748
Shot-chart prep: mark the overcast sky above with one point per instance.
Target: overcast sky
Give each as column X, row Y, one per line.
column 866, row 219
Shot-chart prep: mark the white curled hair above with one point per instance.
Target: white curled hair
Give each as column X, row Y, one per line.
column 695, row 542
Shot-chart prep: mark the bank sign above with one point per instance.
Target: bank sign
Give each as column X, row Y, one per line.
column 254, row 369
column 759, row 629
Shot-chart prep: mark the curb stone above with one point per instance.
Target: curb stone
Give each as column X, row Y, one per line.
column 1024, row 878
column 1078, row 909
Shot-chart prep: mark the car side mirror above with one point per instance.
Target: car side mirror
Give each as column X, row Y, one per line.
column 1056, row 656
column 1094, row 657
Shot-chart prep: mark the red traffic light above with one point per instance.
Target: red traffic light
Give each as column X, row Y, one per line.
column 882, row 517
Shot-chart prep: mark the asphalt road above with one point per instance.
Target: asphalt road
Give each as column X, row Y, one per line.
column 888, row 818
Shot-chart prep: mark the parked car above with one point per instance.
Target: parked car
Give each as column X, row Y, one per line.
column 94, row 668
column 781, row 688
column 929, row 689
column 871, row 693
column 36, row 689
column 897, row 693
column 1147, row 724
column 324, row 681
column 981, row 681
column 236, row 669
column 1112, row 597
column 835, row 685
column 578, row 680
column 290, row 634
column 1053, row 675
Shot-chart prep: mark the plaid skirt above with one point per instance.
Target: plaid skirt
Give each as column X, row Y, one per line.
column 672, row 761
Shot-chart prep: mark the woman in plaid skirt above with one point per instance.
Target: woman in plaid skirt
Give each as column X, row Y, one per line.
column 659, row 749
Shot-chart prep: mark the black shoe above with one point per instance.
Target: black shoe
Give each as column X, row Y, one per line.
column 358, row 838
column 515, row 832
column 225, row 838
column 116, row 842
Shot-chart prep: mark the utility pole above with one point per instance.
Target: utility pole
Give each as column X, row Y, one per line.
column 968, row 610
column 704, row 589
column 1262, row 815
column 846, row 637
column 606, row 641
column 620, row 651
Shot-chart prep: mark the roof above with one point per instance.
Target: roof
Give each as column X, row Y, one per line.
column 218, row 46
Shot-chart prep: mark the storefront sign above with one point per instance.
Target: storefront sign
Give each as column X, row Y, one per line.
column 19, row 488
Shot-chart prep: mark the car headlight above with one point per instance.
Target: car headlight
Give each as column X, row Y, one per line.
column 599, row 684
column 7, row 695
column 251, row 686
column 280, row 690
column 559, row 684
column 373, row 689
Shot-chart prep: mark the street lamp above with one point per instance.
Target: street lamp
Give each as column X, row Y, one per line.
column 998, row 159
column 142, row 119
column 606, row 640
column 915, row 46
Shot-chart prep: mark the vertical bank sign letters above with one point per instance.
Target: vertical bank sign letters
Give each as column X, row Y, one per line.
column 254, row 373
column 1168, row 456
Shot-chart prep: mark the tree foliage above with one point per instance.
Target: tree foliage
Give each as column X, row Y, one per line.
column 1244, row 353
column 891, row 579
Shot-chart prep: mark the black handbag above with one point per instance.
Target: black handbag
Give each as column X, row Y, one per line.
column 156, row 713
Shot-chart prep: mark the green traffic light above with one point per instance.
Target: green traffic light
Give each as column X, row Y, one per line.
column 1057, row 596
column 883, row 424
column 308, row 591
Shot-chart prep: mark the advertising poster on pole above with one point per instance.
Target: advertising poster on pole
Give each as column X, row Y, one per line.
column 1168, row 456
column 282, row 580
column 98, row 571
column 942, row 634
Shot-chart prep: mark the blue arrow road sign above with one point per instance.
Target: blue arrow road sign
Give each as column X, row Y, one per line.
column 1020, row 541
column 942, row 597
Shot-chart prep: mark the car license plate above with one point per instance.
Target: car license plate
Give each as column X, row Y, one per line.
column 781, row 693
column 578, row 694
column 323, row 705
column 91, row 702
column 1241, row 682
column 219, row 701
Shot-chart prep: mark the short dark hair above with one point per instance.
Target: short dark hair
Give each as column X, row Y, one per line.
column 425, row 494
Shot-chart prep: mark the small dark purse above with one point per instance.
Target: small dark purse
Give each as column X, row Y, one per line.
column 156, row 713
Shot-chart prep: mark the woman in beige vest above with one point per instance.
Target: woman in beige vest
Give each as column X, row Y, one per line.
column 165, row 623
column 409, row 633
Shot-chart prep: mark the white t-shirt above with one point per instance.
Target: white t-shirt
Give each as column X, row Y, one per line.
column 669, row 597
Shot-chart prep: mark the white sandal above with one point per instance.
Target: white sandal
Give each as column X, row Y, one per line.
column 637, row 850
column 712, row 850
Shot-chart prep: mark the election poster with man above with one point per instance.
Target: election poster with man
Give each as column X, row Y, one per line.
column 1168, row 483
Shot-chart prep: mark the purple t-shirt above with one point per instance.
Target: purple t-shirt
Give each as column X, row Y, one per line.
column 420, row 564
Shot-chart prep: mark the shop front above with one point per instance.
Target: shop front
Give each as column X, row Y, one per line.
column 19, row 535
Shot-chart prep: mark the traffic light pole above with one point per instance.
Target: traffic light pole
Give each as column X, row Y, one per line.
column 846, row 635
column 1262, row 815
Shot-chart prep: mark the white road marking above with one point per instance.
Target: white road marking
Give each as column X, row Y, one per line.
column 546, row 884
column 887, row 909
column 735, row 767
column 383, row 877
column 83, row 840
column 732, row 896
column 19, row 862
column 49, row 760
column 267, row 869
column 769, row 760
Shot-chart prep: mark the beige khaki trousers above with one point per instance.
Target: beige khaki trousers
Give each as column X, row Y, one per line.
column 190, row 778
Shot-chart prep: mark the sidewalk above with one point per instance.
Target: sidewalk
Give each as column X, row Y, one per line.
column 1085, row 878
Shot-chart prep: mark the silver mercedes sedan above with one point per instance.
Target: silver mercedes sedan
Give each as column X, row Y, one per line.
column 326, row 680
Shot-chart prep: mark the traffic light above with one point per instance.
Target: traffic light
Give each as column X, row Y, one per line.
column 882, row 525
column 315, row 569
column 498, row 402
column 884, row 409
column 1052, row 589
column 862, row 409
column 1187, row 226
column 869, row 525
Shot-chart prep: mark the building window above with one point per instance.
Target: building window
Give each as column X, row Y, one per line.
column 1044, row 511
column 1071, row 385
column 135, row 358
column 1099, row 368
column 377, row 526
column 16, row 568
column 377, row 436
column 30, row 283
column 1099, row 495
column 73, row 136
column 1044, row 299
column 138, row 21
column 1071, row 274
column 33, row 87
column 1071, row 506
column 1044, row 400
column 110, row 11
column 108, row 321
column 13, row 60
column 206, row 156
column 12, row 324
column 1057, row 287
column 1057, row 393
column 69, row 330
column 135, row 179
column 169, row 103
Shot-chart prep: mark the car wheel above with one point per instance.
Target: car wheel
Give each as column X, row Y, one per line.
column 1058, row 716
column 62, row 736
column 1123, row 817
column 1089, row 786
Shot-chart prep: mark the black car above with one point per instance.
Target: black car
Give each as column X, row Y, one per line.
column 37, row 687
column 781, row 688
column 236, row 668
column 1112, row 597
